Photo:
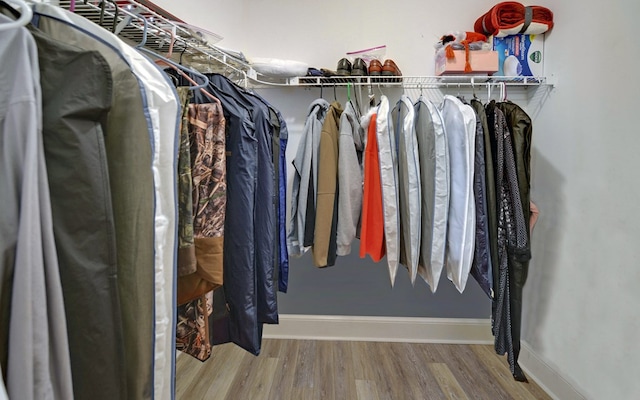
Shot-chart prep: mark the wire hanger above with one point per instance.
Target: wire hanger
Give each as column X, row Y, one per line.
column 25, row 16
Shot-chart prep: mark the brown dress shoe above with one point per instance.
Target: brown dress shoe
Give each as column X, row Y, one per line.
column 375, row 67
column 390, row 69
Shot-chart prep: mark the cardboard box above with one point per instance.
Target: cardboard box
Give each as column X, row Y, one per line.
column 520, row 55
column 482, row 62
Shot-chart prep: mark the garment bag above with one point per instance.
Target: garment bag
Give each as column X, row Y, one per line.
column 459, row 120
column 434, row 178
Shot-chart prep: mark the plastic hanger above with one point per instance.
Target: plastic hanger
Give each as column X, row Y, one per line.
column 358, row 109
column 25, row 16
column 178, row 67
column 372, row 97
column 9, row 7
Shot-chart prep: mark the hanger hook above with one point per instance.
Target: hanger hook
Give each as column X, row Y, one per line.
column 144, row 33
column 24, row 19
column 178, row 66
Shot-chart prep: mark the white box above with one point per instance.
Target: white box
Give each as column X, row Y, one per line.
column 520, row 55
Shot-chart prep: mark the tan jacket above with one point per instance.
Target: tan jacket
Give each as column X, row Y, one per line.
column 326, row 219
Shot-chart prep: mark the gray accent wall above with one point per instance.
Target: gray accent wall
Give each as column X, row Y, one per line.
column 356, row 286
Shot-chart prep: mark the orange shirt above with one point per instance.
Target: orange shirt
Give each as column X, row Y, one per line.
column 372, row 230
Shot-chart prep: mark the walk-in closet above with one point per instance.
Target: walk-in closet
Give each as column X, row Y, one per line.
column 318, row 200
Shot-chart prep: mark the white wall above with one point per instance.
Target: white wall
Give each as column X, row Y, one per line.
column 582, row 302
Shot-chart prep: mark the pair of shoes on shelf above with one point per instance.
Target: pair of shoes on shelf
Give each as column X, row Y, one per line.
column 389, row 68
column 359, row 67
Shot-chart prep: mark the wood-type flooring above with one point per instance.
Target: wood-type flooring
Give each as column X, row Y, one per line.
column 327, row 370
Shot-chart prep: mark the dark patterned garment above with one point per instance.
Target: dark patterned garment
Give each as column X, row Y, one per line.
column 192, row 331
column 186, row 246
column 521, row 129
column 208, row 169
column 209, row 193
column 481, row 269
column 512, row 239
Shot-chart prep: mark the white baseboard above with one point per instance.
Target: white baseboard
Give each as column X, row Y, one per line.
column 549, row 379
column 381, row 329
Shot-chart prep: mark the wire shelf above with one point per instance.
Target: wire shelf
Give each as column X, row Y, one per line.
column 166, row 35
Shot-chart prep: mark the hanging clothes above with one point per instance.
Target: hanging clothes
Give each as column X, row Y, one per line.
column 265, row 219
column 160, row 114
column 481, row 268
column 209, row 196
column 193, row 329
column 77, row 97
column 325, row 235
column 129, row 158
column 520, row 126
column 459, row 120
column 283, row 253
column 409, row 193
column 434, row 170
column 240, row 275
column 350, row 149
column 34, row 351
column 388, row 156
column 372, row 233
column 512, row 238
column 490, row 191
column 277, row 128
column 305, row 179
column 187, row 263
